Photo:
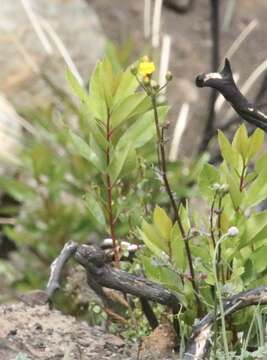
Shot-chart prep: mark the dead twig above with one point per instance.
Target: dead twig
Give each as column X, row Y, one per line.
column 101, row 275
column 215, row 63
column 57, row 267
column 224, row 82
column 198, row 343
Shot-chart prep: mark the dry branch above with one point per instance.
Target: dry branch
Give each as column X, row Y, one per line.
column 101, row 275
column 57, row 266
column 198, row 343
column 224, row 82
column 92, row 258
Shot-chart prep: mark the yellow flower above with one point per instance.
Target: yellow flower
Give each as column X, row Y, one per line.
column 146, row 68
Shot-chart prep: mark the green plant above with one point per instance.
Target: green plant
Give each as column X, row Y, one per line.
column 46, row 205
column 227, row 243
column 202, row 256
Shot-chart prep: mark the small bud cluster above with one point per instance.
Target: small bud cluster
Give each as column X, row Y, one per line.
column 220, row 188
column 168, row 76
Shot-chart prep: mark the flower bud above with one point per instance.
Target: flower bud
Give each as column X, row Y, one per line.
column 134, row 70
column 216, row 186
column 154, row 84
column 168, row 76
column 224, row 188
column 146, row 80
column 145, row 58
column 232, row 231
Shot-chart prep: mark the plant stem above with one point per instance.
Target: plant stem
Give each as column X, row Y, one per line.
column 211, row 220
column 163, row 168
column 109, row 200
column 242, row 177
column 219, row 296
column 215, row 328
column 219, row 235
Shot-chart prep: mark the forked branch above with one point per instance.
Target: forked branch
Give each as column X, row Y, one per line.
column 97, row 265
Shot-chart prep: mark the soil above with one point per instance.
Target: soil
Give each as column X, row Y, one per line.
column 191, row 48
column 40, row 333
column 30, row 330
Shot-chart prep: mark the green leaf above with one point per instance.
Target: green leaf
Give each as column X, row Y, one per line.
column 154, row 236
column 165, row 276
column 208, row 176
column 162, row 222
column 254, row 225
column 85, row 151
column 130, row 162
column 257, row 191
column 98, row 108
column 235, row 193
column 106, row 78
column 95, row 209
column 229, row 154
column 118, row 160
column 258, row 258
column 98, row 135
column 133, row 105
column 240, row 142
column 97, row 97
column 16, row 189
column 143, row 129
column 261, row 163
column 255, row 142
column 152, row 246
column 76, row 87
column 178, row 248
column 127, row 86
column 184, row 216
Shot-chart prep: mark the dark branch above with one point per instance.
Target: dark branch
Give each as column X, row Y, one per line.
column 224, row 82
column 150, row 315
column 198, row 343
column 92, row 258
column 100, row 275
column 179, row 7
column 215, row 63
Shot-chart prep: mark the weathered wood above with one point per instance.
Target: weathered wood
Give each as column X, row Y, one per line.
column 101, row 274
column 198, row 343
column 93, row 259
column 224, row 82
column 57, row 266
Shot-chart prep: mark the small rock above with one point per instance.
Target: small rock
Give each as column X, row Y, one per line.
column 159, row 344
column 114, row 340
column 36, row 297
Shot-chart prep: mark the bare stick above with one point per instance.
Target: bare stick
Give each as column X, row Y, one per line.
column 215, row 35
column 57, row 266
column 177, row 7
column 223, row 82
column 198, row 343
column 92, row 258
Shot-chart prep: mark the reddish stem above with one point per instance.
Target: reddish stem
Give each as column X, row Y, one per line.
column 109, row 193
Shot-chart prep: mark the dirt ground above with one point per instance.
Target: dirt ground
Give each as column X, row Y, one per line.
column 29, row 330
column 190, row 53
column 40, row 333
